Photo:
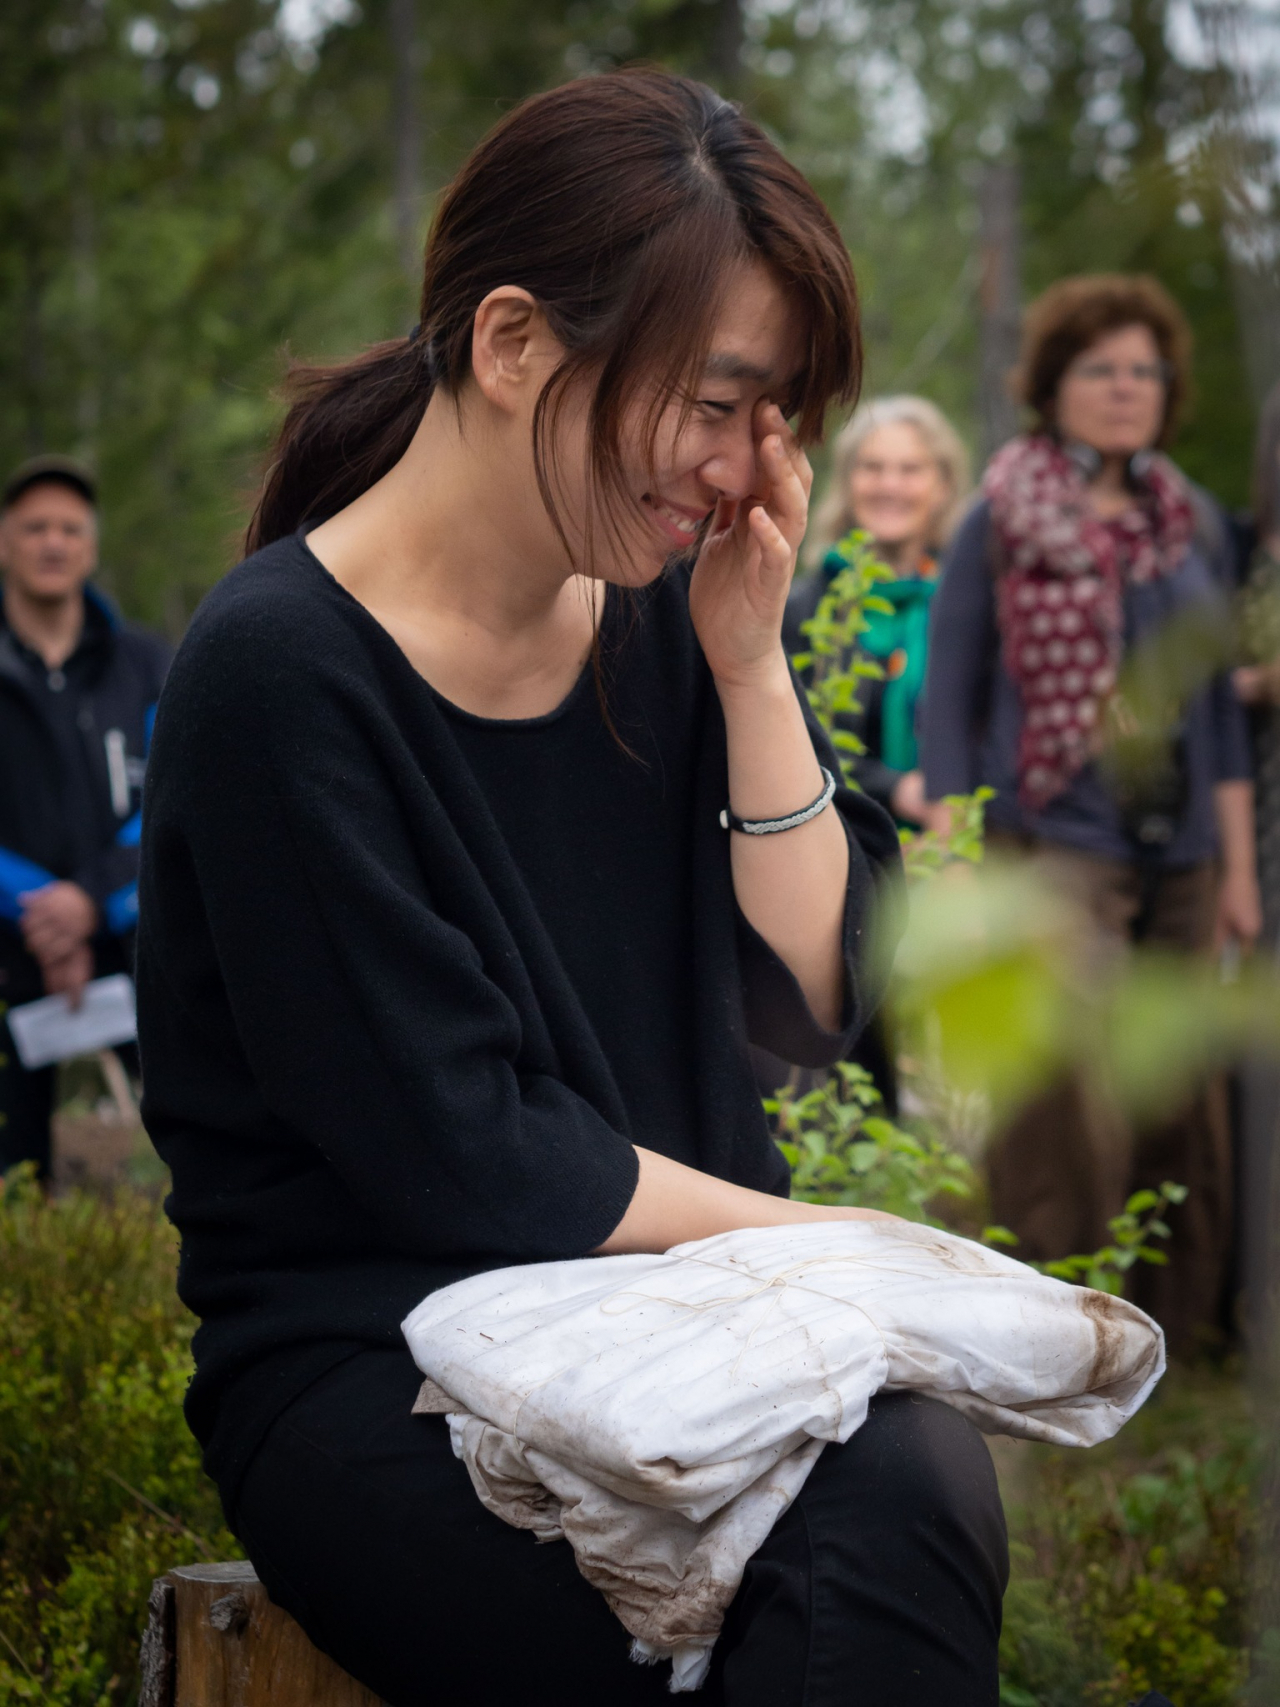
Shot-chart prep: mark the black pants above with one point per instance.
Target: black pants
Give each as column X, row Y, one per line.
column 881, row 1587
column 26, row 1109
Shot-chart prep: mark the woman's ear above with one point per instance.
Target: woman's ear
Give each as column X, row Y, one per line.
column 512, row 349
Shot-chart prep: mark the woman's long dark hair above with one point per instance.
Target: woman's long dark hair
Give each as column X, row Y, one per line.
column 622, row 204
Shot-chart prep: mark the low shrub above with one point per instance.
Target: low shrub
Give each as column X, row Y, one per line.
column 1130, row 1563
column 100, row 1483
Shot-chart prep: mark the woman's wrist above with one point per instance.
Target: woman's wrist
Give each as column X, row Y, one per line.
column 674, row 1204
column 1240, row 870
column 773, row 769
column 768, row 679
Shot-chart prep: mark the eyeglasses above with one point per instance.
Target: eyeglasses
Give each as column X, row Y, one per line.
column 1107, row 373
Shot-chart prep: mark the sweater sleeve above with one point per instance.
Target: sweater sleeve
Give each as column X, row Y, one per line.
column 1232, row 758
column 283, row 869
column 877, row 779
column 964, row 643
column 109, row 870
column 778, row 1016
column 1232, row 751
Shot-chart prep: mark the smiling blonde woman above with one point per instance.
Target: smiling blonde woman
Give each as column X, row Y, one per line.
column 900, row 472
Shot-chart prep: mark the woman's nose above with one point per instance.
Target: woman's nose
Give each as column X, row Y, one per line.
column 733, row 468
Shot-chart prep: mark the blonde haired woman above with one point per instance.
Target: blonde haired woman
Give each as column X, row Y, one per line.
column 901, row 474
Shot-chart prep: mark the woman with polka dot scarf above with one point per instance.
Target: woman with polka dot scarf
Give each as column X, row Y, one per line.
column 1082, row 605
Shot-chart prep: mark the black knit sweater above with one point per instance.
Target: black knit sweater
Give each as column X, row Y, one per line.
column 412, row 984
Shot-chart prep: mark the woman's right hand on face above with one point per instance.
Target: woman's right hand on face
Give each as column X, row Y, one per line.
column 743, row 574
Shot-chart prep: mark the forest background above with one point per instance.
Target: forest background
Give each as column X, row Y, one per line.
column 192, row 189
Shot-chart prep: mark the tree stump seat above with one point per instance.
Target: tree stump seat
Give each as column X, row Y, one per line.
column 214, row 1639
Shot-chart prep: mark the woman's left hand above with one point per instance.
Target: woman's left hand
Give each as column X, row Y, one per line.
column 743, row 574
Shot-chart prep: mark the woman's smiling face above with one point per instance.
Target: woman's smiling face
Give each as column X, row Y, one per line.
column 896, row 488
column 704, row 446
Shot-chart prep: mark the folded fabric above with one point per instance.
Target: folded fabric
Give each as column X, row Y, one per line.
column 662, row 1412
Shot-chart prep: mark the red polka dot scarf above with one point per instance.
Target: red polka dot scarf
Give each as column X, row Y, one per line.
column 1060, row 581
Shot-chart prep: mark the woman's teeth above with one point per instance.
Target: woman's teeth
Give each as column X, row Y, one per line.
column 687, row 525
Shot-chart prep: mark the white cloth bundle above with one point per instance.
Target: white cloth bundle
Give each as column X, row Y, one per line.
column 662, row 1412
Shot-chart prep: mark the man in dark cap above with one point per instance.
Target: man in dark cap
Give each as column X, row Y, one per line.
column 78, row 689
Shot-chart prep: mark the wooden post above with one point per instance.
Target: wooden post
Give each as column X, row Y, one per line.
column 214, row 1639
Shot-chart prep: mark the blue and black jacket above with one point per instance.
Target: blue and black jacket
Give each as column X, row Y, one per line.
column 71, row 785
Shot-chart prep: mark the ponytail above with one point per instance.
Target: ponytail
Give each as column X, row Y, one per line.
column 347, row 426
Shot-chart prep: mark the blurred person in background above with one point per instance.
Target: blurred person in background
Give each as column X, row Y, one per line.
column 1088, row 546
column 900, row 474
column 77, row 691
column 1257, row 678
column 1257, row 1081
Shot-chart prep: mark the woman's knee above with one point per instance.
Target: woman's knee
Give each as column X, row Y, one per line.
column 928, row 1470
column 887, row 1573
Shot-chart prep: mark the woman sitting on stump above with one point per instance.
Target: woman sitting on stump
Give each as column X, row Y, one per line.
column 447, row 961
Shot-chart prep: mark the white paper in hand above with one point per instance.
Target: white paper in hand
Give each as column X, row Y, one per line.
column 48, row 1030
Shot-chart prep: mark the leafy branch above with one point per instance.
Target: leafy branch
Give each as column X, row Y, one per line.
column 841, row 1151
column 1143, row 1219
column 833, row 669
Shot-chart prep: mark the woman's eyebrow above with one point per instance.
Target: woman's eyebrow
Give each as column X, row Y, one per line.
column 731, row 367
column 736, row 367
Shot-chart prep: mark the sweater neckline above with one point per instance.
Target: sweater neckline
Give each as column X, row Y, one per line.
column 473, row 719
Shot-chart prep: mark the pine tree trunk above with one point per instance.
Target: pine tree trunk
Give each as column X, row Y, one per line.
column 724, row 55
column 1000, row 295
column 406, row 121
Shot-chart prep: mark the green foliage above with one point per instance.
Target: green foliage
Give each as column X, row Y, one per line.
column 1141, row 1220
column 188, row 190
column 989, row 977
column 832, row 667
column 926, row 853
column 100, row 1482
column 1130, row 1564
column 1258, row 613
column 841, row 1151
column 1003, row 973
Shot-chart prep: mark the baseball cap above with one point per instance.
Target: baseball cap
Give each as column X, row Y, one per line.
column 37, row 470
